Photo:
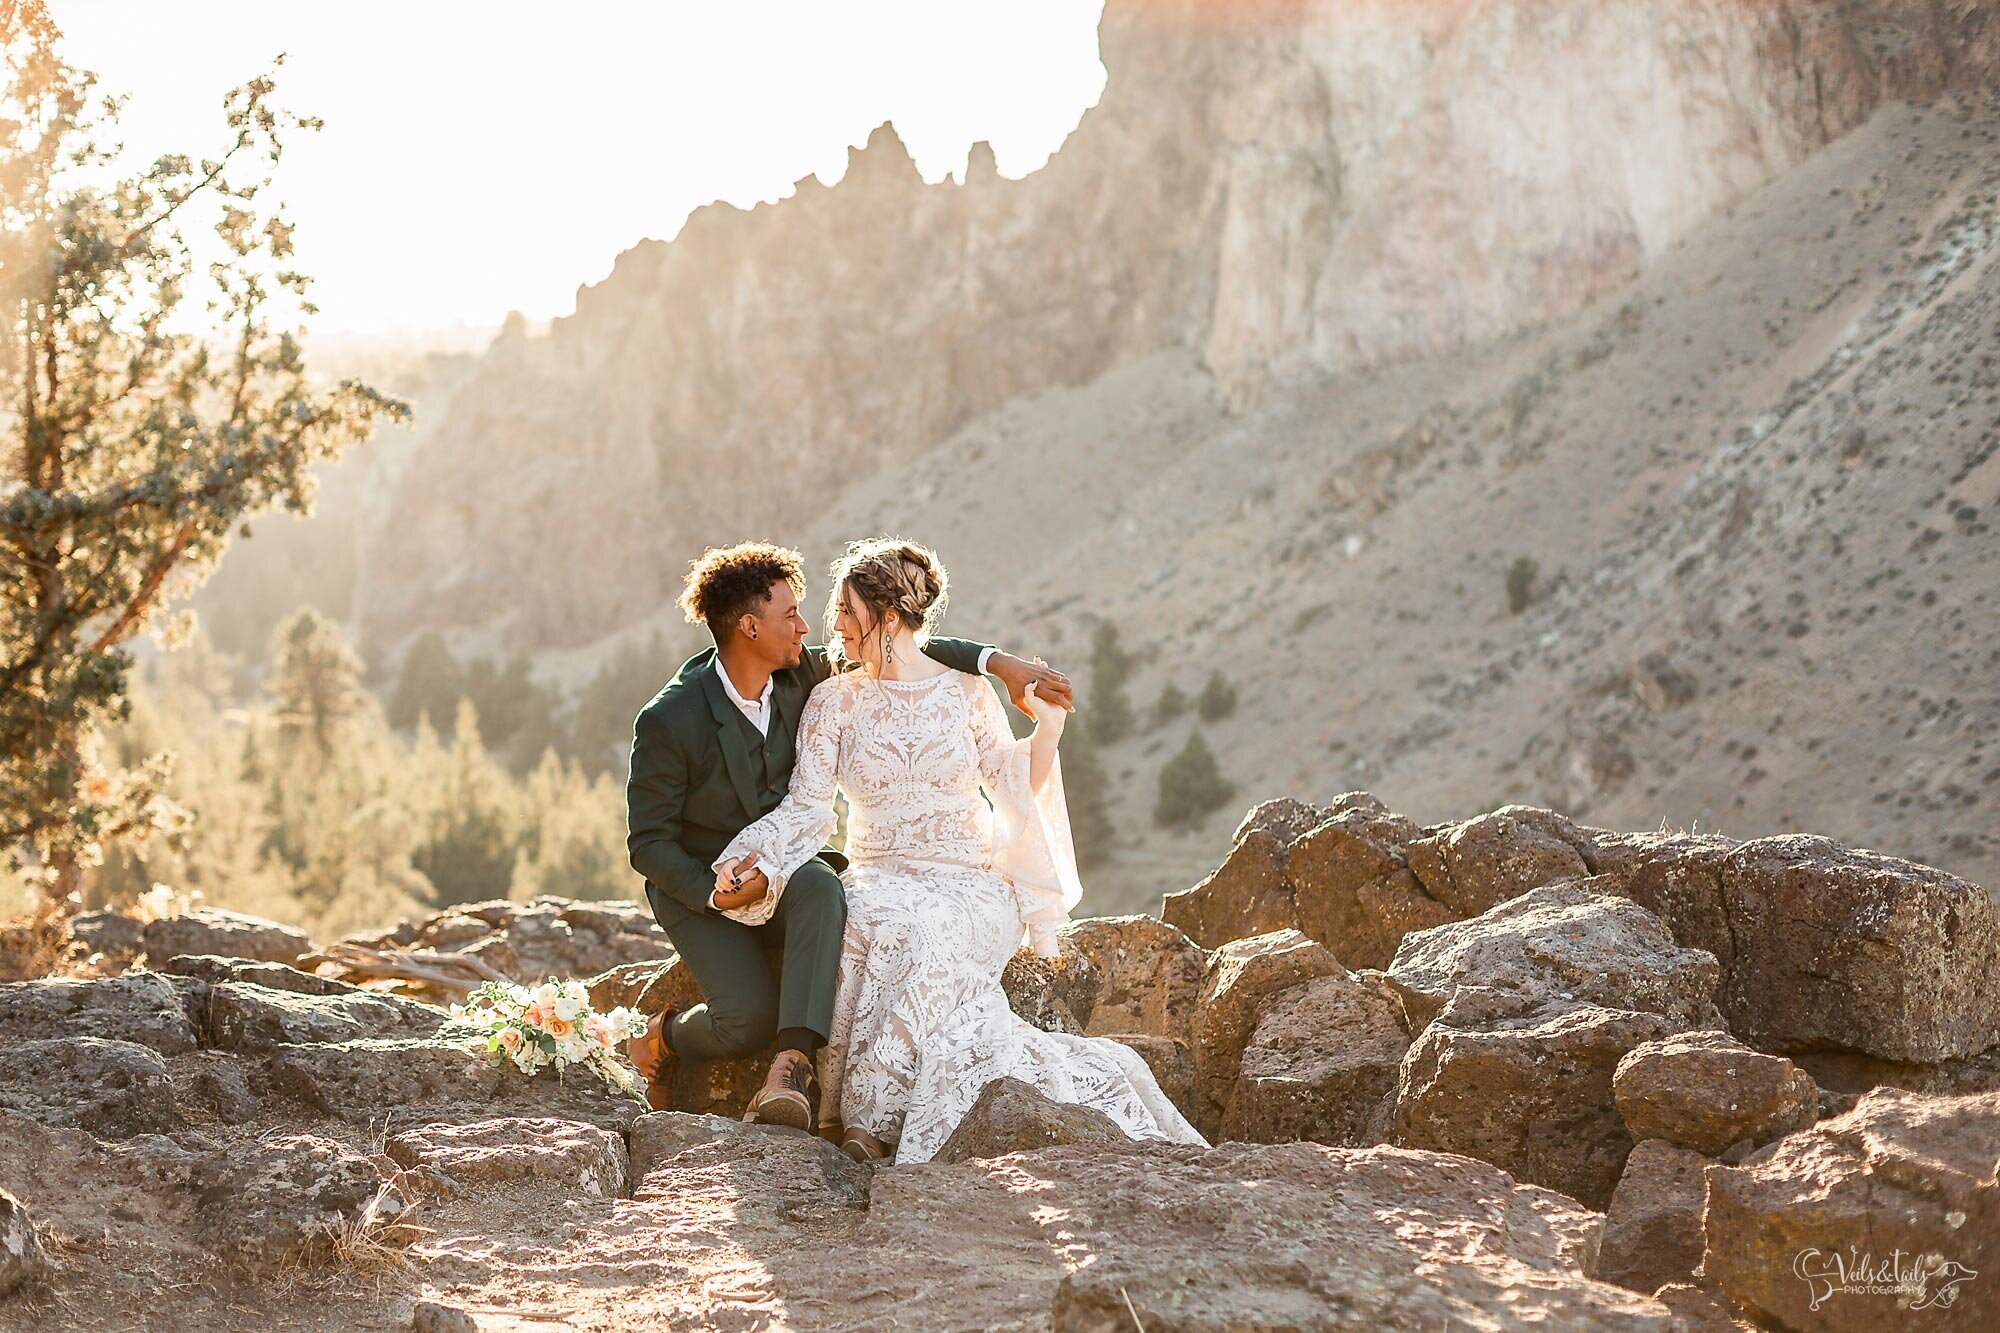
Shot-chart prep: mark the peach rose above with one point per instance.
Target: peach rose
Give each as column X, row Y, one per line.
column 510, row 1038
column 559, row 1027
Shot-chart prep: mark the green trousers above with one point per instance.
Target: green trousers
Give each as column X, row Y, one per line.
column 742, row 1007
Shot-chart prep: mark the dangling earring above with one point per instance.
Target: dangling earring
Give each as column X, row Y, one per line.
column 888, row 650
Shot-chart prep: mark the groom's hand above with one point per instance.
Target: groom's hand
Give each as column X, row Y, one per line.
column 1051, row 685
column 739, row 884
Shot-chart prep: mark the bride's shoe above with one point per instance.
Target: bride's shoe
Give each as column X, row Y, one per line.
column 862, row 1146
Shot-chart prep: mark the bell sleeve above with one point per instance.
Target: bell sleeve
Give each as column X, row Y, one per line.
column 1032, row 847
column 792, row 833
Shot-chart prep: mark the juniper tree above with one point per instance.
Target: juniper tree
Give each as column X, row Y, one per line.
column 315, row 680
column 136, row 434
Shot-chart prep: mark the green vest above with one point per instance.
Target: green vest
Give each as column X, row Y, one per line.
column 771, row 759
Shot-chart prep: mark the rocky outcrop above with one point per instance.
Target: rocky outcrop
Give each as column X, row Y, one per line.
column 1440, row 1133
column 564, row 1156
column 1652, row 1229
column 1241, row 975
column 1824, row 946
column 288, row 1199
column 525, row 943
column 111, row 1088
column 1294, row 1238
column 273, row 976
column 1524, row 1015
column 1150, row 975
column 1352, row 884
column 1248, row 894
column 1320, row 1064
column 142, row 1008
column 229, row 934
column 1481, row 863
column 1011, row 1116
column 1563, row 945
column 1867, row 1218
column 1708, row 1092
column 251, row 1018
column 1284, row 189
column 1055, row 994
column 1531, row 1094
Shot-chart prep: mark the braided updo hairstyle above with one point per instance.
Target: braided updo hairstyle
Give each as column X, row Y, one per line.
column 887, row 575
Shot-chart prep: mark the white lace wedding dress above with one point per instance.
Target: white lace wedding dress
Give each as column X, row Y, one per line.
column 941, row 890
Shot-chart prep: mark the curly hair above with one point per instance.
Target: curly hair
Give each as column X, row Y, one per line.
column 889, row 574
column 729, row 582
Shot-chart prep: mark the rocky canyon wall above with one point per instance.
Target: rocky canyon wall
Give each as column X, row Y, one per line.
column 1284, row 189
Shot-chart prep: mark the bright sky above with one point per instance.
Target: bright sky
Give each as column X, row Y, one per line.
column 481, row 158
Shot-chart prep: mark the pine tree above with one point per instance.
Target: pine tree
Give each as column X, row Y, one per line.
column 131, row 449
column 468, row 851
column 430, row 684
column 1218, row 698
column 315, row 680
column 1172, row 703
column 1191, row 784
column 1109, row 668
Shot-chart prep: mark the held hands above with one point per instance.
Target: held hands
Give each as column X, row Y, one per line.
column 1050, row 685
column 1048, row 714
column 739, row 884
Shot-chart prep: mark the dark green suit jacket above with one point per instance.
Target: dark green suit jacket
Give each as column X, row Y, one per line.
column 692, row 786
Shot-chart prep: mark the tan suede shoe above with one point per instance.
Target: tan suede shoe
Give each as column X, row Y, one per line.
column 790, row 1095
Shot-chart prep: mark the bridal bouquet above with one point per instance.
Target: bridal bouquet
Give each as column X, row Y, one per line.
column 553, row 1024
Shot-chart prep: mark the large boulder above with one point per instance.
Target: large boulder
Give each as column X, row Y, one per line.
column 1652, row 1230
column 545, row 937
column 1823, row 946
column 250, row 1018
column 1479, row 863
column 1885, row 1215
column 107, row 934
column 754, row 1184
column 1150, row 974
column 114, row 1089
column 289, row 1199
column 1252, row 1236
column 1707, row 1091
column 1529, row 1094
column 138, row 1007
column 1240, row 975
column 435, row 1079
column 1246, row 895
column 230, row 934
column 213, row 968
column 1562, row 944
column 1012, row 1116
column 1353, row 889
column 1320, row 1064
column 566, row 1156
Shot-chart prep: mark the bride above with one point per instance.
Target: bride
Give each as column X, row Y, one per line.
column 958, row 845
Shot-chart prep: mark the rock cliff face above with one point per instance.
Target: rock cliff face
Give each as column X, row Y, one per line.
column 1279, row 188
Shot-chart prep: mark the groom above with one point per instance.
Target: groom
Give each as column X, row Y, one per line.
column 712, row 753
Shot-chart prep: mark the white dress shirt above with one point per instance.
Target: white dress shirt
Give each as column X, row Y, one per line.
column 758, row 711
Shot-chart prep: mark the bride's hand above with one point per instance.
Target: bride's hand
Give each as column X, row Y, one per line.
column 1045, row 713
column 739, row 884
